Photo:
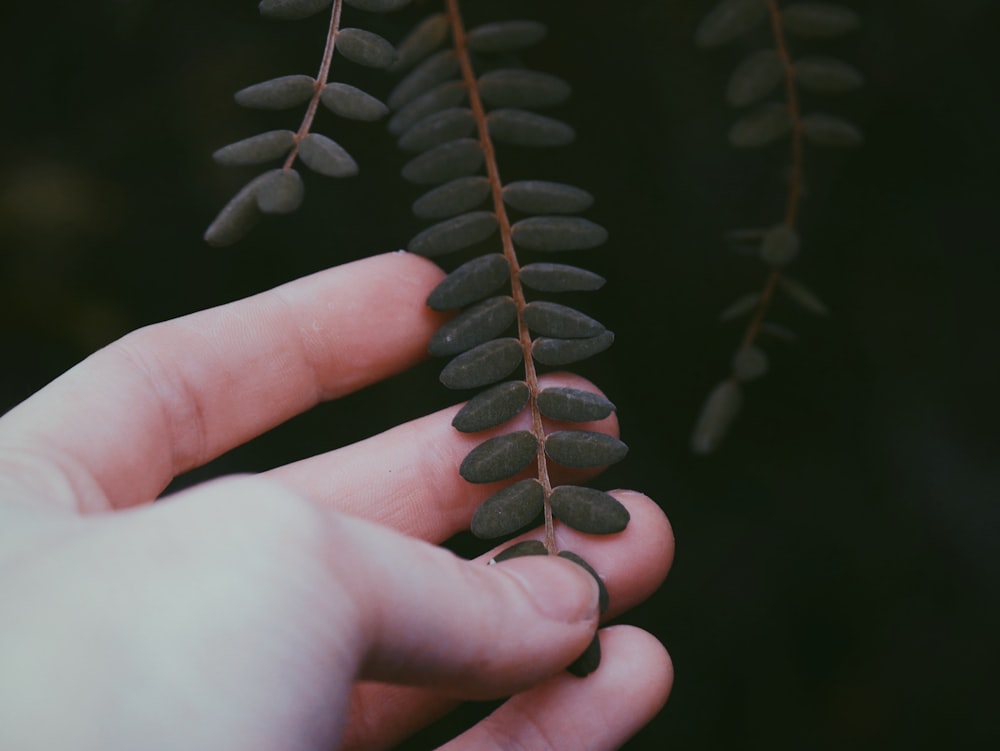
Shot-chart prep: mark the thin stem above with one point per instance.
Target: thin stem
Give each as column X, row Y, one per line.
column 517, row 290
column 321, row 80
column 795, row 179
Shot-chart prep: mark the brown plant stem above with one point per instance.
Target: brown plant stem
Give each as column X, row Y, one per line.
column 517, row 291
column 322, row 77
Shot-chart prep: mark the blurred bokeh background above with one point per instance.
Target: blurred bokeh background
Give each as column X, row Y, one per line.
column 837, row 578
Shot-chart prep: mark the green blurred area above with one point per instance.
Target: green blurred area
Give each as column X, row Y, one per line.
column 837, row 571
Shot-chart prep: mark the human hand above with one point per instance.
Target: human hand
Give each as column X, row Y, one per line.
column 305, row 607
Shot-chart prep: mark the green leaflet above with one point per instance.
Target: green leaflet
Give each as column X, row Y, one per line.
column 818, row 73
column 471, row 281
column 516, row 87
column 492, row 407
column 728, row 20
column 555, row 320
column 505, row 36
column 473, row 326
column 740, row 307
column 780, row 245
column 445, row 162
column 549, row 351
column 422, row 39
column 818, row 19
column 543, row 197
column 326, row 156
column 237, row 217
column 454, row 197
column 584, row 448
column 351, row 102
column 278, row 93
column 258, row 149
column 377, row 6
column 454, row 234
column 830, row 130
column 757, row 76
column 556, row 233
column 291, row 10
column 365, row 48
column 716, row 416
column 436, row 69
column 519, row 550
column 573, row 405
column 803, row 296
column 508, row 510
column 499, row 458
column 482, row 365
column 524, row 128
column 603, row 598
column 437, row 128
column 558, row 277
column 749, row 363
column 280, row 191
column 439, row 97
column 766, row 123
column 589, row 661
column 588, row 510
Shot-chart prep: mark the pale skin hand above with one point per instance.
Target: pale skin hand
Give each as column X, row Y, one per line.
column 305, row 607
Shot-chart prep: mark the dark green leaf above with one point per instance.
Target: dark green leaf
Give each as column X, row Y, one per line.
column 728, row 20
column 473, row 326
column 437, row 128
column 524, row 128
column 326, row 156
column 492, row 407
column 351, row 102
column 716, row 416
column 258, row 149
column 780, row 245
column 445, row 162
column 236, row 218
column 587, row 662
column 765, row 124
column 280, row 191
column 827, row 74
column 542, row 197
column 483, row 365
column 603, row 598
column 517, row 87
column 561, row 321
column 365, row 48
column 508, row 510
column 454, row 234
column 588, row 510
column 818, row 19
column 740, row 307
column 558, row 277
column 500, row 457
column 377, row 6
column 584, row 448
column 550, row 351
column 454, row 197
column 292, row 10
column 554, row 233
column 436, row 69
column 754, row 78
column 573, row 405
column 830, row 130
column 803, row 296
column 441, row 96
column 519, row 550
column 503, row 36
column 470, row 282
column 421, row 41
column 278, row 93
column 749, row 363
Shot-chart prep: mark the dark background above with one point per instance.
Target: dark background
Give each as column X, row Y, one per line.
column 837, row 570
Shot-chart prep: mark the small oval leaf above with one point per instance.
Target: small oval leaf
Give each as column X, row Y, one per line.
column 473, row 326
column 561, row 321
column 584, row 448
column 517, row 87
column 818, row 73
column 454, row 234
column 291, row 10
column 717, row 414
column 558, row 277
column 280, row 191
column 421, row 41
column 326, row 156
column 437, row 128
column 754, row 78
column 588, row 510
column 436, row 69
column 442, row 96
column 454, row 197
column 519, row 550
column 543, row 197
column 236, row 218
column 780, row 245
column 471, row 281
column 500, row 457
column 573, row 405
column 729, row 20
column 483, row 365
column 278, row 93
column 555, row 233
column 365, row 48
column 524, row 128
column 377, row 6
column 765, row 124
column 503, row 36
column 508, row 510
column 818, row 19
column 749, row 363
column 351, row 102
column 549, row 351
column 588, row 661
column 445, row 162
column 830, row 130
column 492, row 407
column 743, row 305
column 603, row 598
column 803, row 296
column 258, row 149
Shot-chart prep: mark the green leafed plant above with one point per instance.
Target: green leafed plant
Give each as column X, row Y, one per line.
column 459, row 97
column 766, row 87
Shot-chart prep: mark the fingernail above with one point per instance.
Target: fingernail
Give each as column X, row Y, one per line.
column 561, row 590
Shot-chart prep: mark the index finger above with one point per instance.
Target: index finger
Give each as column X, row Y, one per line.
column 118, row 427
